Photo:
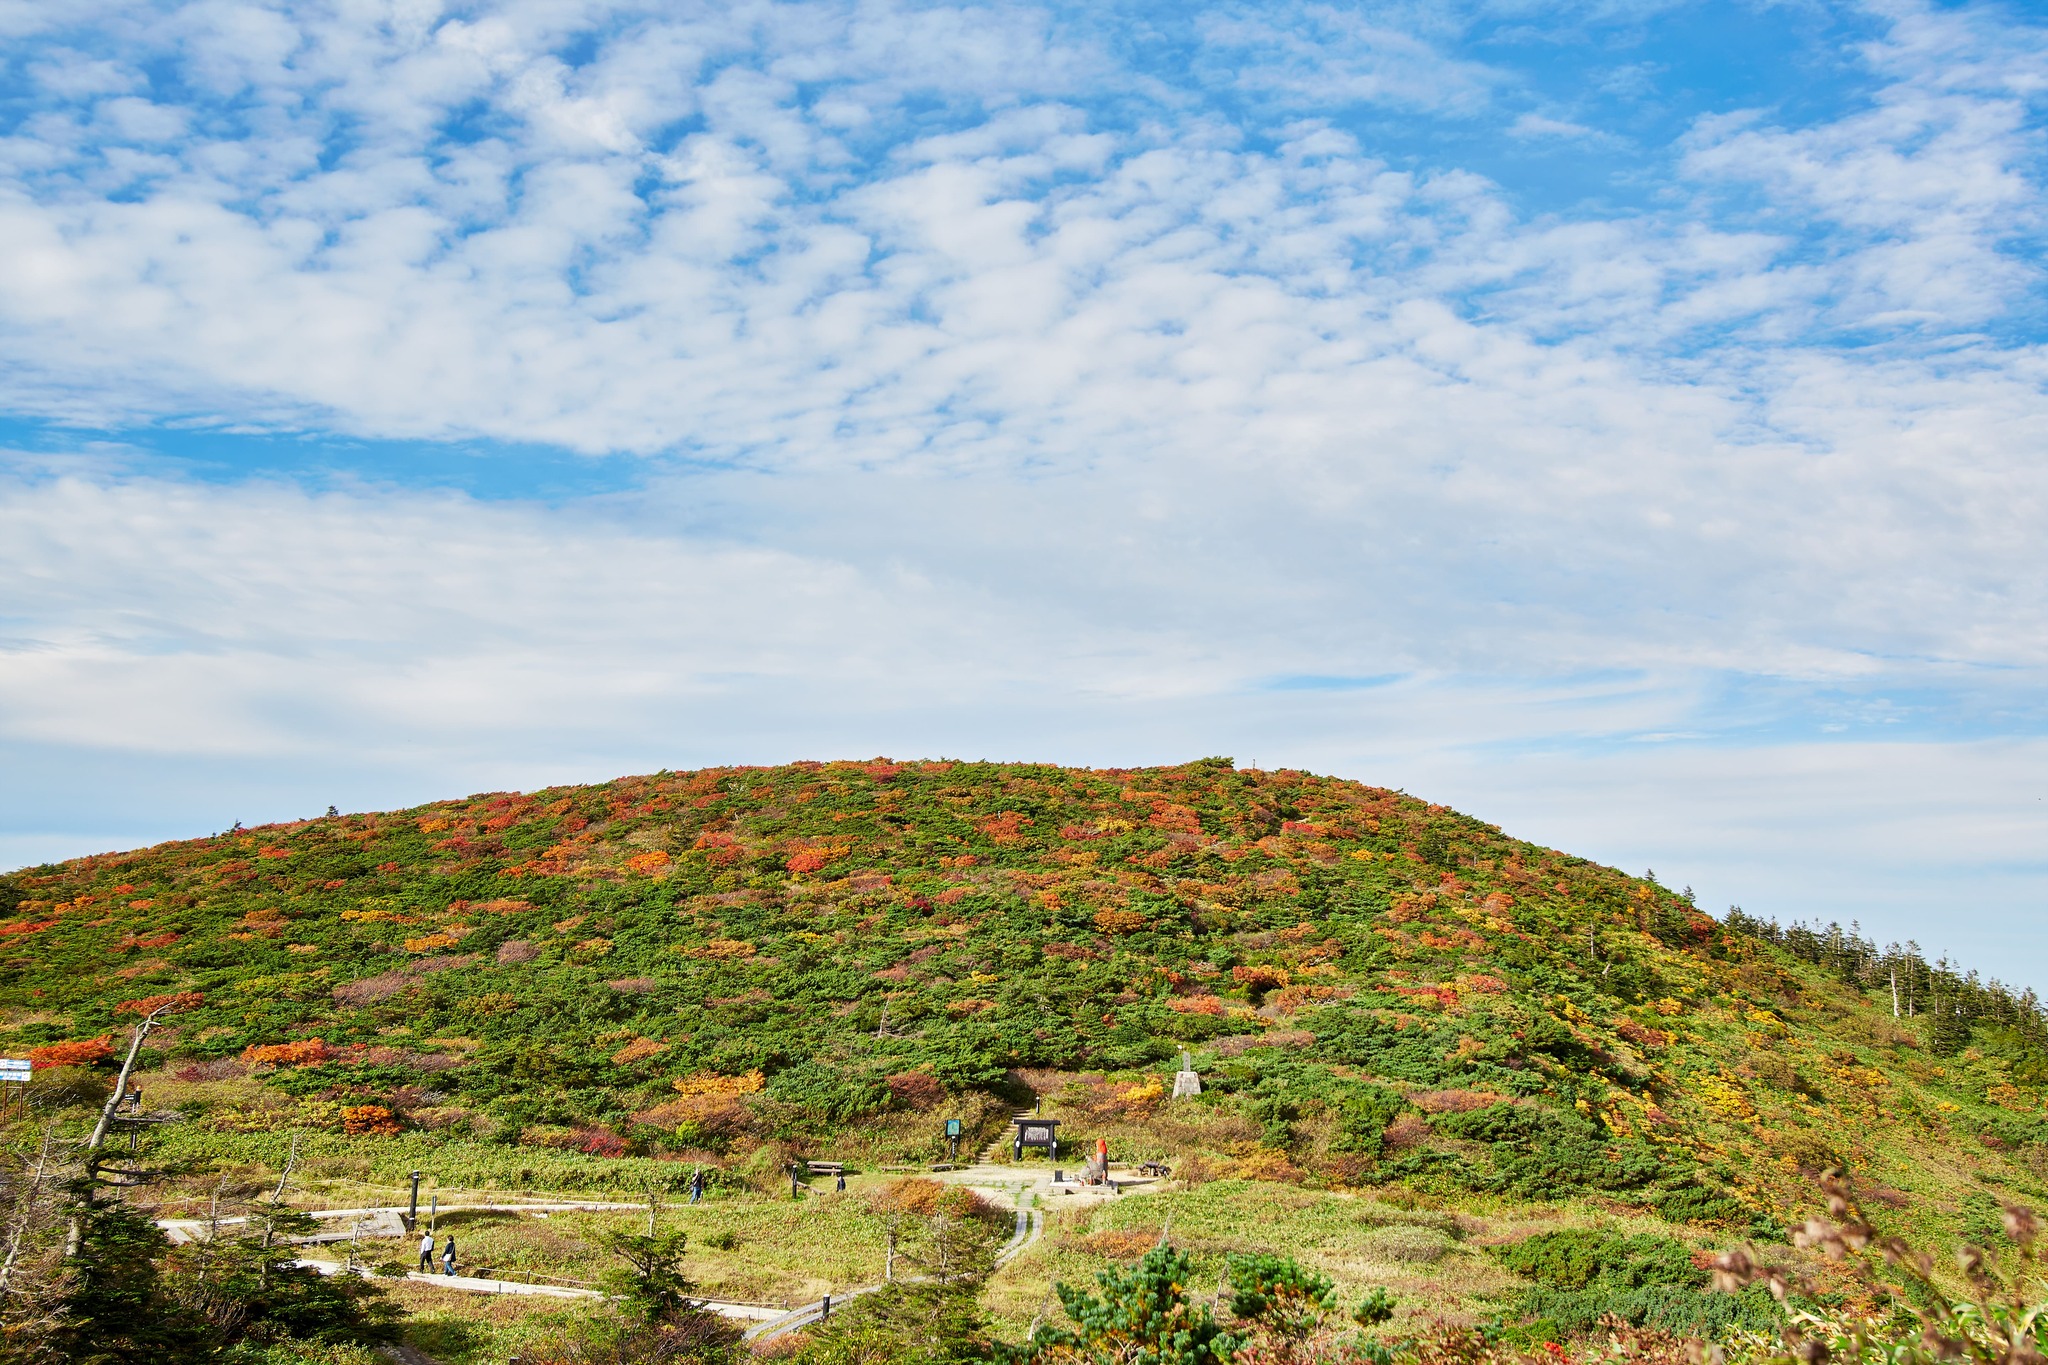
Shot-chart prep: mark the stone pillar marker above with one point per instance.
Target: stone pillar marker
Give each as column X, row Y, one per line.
column 1185, row 1082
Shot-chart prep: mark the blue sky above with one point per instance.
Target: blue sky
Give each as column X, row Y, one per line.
column 1622, row 421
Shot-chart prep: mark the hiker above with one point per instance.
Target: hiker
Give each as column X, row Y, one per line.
column 448, row 1256
column 841, row 1186
column 697, row 1186
column 427, row 1252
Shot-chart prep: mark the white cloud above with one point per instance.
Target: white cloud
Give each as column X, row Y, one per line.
column 1061, row 398
column 1532, row 125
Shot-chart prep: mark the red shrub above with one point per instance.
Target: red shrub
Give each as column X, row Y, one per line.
column 597, row 1142
column 1641, row 1036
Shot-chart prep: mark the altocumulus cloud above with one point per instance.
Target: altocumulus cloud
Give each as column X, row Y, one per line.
column 1040, row 381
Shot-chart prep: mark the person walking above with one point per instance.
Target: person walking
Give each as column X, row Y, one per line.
column 427, row 1252
column 697, row 1186
column 448, row 1256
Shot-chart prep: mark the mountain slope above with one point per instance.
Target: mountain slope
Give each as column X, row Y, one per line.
column 1377, row 989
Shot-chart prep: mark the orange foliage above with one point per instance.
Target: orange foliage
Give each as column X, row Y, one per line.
column 82, row 1053
column 1196, row 1004
column 648, row 863
column 807, row 860
column 1004, row 828
column 1119, row 921
column 369, row 1120
column 720, row 850
column 306, row 1052
column 638, row 1050
column 1260, row 977
column 35, row 927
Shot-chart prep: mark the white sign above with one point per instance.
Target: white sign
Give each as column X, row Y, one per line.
column 15, row 1068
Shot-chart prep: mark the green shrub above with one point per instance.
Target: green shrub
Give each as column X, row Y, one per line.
column 1577, row 1258
column 829, row 1093
column 1582, row 1275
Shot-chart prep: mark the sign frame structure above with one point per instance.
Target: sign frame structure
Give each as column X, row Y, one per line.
column 1033, row 1131
column 17, row 1071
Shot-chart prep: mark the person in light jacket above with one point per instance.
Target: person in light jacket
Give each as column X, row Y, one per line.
column 448, row 1256
column 426, row 1252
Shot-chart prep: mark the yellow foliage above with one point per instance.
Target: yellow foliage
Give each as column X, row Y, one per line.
column 712, row 1084
column 1724, row 1098
column 1767, row 1022
column 638, row 1050
column 1119, row 921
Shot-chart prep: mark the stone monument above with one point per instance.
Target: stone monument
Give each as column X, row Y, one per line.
column 1185, row 1082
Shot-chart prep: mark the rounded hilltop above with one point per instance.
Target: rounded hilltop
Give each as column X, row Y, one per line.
column 739, row 965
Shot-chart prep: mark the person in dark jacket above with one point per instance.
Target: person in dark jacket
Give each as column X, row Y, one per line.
column 448, row 1256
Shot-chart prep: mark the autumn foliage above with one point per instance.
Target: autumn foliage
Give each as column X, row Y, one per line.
column 370, row 1120
column 1257, row 977
column 82, row 1053
column 306, row 1052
